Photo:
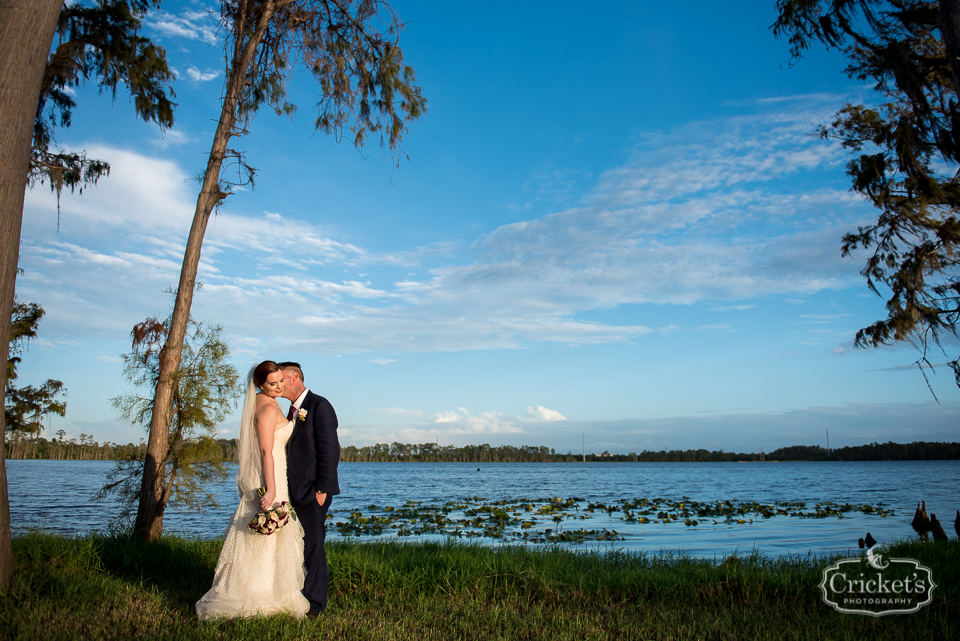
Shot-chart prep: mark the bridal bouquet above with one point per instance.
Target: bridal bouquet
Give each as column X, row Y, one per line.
column 271, row 520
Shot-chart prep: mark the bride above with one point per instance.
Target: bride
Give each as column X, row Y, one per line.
column 259, row 574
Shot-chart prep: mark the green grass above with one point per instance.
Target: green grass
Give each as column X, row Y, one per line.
column 110, row 587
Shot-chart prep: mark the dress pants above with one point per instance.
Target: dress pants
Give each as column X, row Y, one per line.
column 313, row 517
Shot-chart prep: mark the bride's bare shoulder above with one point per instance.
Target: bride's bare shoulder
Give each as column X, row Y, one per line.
column 267, row 407
column 267, row 410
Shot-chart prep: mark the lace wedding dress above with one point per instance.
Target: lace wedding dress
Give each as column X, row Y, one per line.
column 259, row 574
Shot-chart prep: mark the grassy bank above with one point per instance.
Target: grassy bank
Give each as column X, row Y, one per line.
column 102, row 587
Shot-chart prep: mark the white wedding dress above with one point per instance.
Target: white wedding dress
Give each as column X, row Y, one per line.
column 259, row 574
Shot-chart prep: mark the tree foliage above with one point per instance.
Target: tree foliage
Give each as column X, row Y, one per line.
column 24, row 322
column 350, row 47
column 27, row 406
column 88, row 449
column 906, row 156
column 101, row 42
column 206, row 387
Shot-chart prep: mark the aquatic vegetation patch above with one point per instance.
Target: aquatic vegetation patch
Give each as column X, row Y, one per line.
column 554, row 519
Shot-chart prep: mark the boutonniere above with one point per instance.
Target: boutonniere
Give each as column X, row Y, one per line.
column 302, row 415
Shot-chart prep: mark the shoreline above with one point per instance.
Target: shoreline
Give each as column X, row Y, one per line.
column 40, row 448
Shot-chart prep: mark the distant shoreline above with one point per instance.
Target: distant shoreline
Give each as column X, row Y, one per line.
column 40, row 448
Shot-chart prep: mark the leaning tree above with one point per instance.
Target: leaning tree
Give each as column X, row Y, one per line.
column 351, row 49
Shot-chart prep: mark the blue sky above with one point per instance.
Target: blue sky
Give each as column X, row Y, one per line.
column 614, row 226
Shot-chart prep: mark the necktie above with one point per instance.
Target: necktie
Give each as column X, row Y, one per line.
column 293, row 410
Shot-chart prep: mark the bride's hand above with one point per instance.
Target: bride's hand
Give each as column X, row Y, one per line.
column 267, row 499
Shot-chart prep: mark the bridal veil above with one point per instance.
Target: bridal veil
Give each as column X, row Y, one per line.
column 250, row 470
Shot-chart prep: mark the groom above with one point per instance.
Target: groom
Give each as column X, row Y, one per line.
column 313, row 452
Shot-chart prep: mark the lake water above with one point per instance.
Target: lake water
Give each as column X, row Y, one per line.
column 57, row 496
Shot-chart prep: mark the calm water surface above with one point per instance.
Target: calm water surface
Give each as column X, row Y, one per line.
column 57, row 496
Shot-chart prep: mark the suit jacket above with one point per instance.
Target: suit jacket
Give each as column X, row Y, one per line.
column 313, row 452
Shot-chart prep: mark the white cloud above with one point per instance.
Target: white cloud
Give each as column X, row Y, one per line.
column 383, row 361
column 141, row 193
column 482, row 423
column 192, row 25
column 485, row 423
column 541, row 413
column 202, row 76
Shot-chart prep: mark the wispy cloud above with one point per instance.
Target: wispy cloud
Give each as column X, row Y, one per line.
column 192, row 25
column 822, row 318
column 714, row 211
column 202, row 76
column 171, row 137
column 732, row 308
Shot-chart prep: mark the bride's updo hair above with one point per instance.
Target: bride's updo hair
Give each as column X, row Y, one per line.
column 262, row 371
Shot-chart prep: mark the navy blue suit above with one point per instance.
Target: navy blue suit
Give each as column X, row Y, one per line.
column 313, row 453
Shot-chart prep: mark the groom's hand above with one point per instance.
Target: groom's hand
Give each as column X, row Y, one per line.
column 321, row 497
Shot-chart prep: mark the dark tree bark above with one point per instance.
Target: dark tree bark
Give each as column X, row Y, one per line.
column 26, row 32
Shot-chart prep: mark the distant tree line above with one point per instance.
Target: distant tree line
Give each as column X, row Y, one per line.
column 88, row 449
column 431, row 452
column 889, row 451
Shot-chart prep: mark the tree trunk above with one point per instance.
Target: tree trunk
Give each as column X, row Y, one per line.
column 149, row 523
column 949, row 20
column 26, row 31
